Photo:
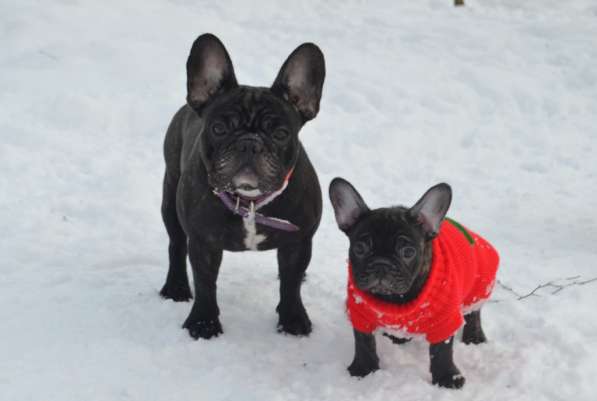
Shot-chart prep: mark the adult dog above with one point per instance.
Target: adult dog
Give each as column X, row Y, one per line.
column 237, row 178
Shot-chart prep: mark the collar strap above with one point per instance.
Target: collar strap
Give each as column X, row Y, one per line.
column 249, row 211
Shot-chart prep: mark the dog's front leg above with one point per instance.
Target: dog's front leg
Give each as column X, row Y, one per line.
column 365, row 355
column 293, row 260
column 203, row 321
column 443, row 371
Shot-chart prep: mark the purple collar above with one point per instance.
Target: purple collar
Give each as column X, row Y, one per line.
column 248, row 209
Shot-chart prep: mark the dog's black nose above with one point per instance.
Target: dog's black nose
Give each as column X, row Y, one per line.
column 381, row 262
column 380, row 267
column 249, row 145
column 383, row 267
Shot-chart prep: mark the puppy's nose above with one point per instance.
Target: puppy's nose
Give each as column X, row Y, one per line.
column 382, row 267
column 249, row 145
column 382, row 263
column 381, row 270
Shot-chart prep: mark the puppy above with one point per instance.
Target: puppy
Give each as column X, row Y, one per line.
column 238, row 178
column 412, row 273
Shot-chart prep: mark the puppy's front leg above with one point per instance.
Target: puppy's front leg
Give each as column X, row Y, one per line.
column 203, row 321
column 443, row 371
column 293, row 260
column 365, row 355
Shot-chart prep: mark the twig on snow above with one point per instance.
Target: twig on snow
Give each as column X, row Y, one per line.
column 557, row 287
column 48, row 55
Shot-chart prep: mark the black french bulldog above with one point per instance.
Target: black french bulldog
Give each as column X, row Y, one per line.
column 238, row 178
column 414, row 273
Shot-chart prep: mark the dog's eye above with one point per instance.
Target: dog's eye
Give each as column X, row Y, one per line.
column 361, row 247
column 407, row 252
column 280, row 134
column 267, row 124
column 218, row 128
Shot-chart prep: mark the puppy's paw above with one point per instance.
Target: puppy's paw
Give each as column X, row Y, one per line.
column 472, row 333
column 473, row 336
column 295, row 322
column 452, row 380
column 202, row 328
column 177, row 293
column 358, row 369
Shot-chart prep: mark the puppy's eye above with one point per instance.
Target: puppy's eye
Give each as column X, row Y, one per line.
column 280, row 134
column 361, row 248
column 407, row 252
column 267, row 124
column 219, row 129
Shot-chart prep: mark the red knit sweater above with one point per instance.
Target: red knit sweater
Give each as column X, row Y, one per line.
column 462, row 275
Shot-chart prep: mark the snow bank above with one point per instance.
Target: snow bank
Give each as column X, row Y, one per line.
column 498, row 98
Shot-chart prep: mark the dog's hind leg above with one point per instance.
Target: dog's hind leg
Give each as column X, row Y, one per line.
column 473, row 332
column 177, row 282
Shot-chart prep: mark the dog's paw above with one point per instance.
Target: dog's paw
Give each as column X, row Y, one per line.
column 473, row 337
column 361, row 370
column 201, row 328
column 452, row 380
column 295, row 323
column 177, row 293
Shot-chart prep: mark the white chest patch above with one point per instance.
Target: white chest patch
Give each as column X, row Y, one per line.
column 252, row 239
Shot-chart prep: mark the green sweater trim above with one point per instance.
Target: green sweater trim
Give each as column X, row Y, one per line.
column 461, row 228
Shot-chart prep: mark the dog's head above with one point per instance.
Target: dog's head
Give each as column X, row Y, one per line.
column 389, row 247
column 249, row 138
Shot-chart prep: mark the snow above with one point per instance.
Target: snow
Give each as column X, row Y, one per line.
column 497, row 98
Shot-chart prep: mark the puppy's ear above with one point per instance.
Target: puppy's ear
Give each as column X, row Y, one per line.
column 431, row 209
column 347, row 203
column 209, row 71
column 300, row 80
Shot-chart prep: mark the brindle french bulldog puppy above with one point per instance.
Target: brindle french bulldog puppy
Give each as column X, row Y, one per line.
column 413, row 273
column 237, row 178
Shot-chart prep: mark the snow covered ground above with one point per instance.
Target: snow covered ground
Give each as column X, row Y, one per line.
column 498, row 98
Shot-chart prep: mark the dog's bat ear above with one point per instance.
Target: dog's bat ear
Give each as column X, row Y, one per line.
column 348, row 204
column 431, row 209
column 209, row 71
column 300, row 80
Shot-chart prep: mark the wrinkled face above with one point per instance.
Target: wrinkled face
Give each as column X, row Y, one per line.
column 390, row 248
column 387, row 252
column 249, row 134
column 250, row 141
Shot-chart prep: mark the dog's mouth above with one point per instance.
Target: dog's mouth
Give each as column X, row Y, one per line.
column 245, row 199
column 246, row 185
column 394, row 290
column 248, row 189
column 386, row 287
column 248, row 192
column 248, row 196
